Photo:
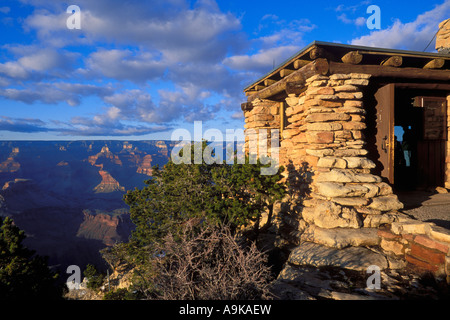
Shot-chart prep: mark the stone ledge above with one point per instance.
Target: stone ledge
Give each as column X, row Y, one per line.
column 440, row 233
column 341, row 237
column 432, row 244
column 422, row 264
column 353, row 258
column 411, row 226
column 428, row 255
column 424, row 244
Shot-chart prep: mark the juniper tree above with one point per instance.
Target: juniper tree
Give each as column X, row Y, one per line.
column 23, row 274
column 235, row 195
column 198, row 196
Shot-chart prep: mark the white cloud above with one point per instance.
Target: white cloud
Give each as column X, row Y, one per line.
column 347, row 13
column 237, row 115
column 143, row 44
column 262, row 61
column 360, row 21
column 413, row 35
column 71, row 93
column 13, row 70
column 34, row 62
column 124, row 65
column 168, row 27
column 27, row 125
column 82, row 126
column 352, row 8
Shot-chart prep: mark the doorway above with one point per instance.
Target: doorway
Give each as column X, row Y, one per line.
column 411, row 136
column 420, row 156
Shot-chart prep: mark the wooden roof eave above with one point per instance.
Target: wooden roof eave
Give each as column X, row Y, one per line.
column 391, row 72
column 353, row 55
column 275, row 73
column 296, row 78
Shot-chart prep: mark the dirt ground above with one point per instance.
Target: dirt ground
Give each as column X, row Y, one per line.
column 427, row 206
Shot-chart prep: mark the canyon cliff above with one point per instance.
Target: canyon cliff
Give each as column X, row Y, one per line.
column 68, row 196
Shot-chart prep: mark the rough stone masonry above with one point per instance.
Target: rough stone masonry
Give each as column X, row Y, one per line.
column 338, row 203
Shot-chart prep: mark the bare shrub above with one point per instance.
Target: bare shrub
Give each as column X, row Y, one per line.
column 213, row 264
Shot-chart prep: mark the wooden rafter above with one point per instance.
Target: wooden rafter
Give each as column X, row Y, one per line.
column 392, row 72
column 319, row 66
column 434, row 64
column 352, row 57
column 375, row 61
column 285, row 72
column 300, row 63
column 269, row 82
column 394, row 61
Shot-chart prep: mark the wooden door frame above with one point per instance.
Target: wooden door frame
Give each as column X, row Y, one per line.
column 385, row 106
column 385, row 113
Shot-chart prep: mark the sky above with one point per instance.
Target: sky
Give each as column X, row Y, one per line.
column 139, row 70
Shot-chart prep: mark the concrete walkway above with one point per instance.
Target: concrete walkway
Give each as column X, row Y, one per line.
column 427, row 206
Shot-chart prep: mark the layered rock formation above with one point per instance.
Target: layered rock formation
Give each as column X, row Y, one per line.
column 104, row 227
column 10, row 165
column 145, row 165
column 107, row 154
column 108, row 183
column 162, row 148
column 67, row 196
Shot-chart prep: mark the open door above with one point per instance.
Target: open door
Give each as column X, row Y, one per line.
column 385, row 98
column 431, row 144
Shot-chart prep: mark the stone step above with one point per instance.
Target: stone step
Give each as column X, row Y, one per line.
column 341, row 237
column 353, row 258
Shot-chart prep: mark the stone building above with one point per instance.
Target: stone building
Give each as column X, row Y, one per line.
column 356, row 124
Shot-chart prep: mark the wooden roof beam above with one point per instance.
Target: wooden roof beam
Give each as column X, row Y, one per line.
column 285, row 72
column 352, row 57
column 250, row 92
column 319, row 66
column 391, row 72
column 269, row 82
column 320, row 53
column 246, row 106
column 259, row 87
column 424, row 86
column 434, row 64
column 295, row 87
column 300, row 63
column 394, row 61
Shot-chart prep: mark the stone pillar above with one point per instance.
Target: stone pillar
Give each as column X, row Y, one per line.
column 345, row 203
column 264, row 115
column 443, row 37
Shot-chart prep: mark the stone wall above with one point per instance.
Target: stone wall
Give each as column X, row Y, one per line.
column 422, row 244
column 443, row 37
column 325, row 138
column 263, row 117
column 335, row 201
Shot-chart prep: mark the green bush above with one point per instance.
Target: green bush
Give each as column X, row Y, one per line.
column 119, row 294
column 23, row 274
column 94, row 277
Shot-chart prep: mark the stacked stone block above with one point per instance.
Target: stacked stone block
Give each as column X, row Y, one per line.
column 422, row 244
column 325, row 134
column 335, row 200
column 261, row 119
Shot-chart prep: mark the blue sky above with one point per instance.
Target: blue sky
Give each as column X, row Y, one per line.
column 142, row 69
